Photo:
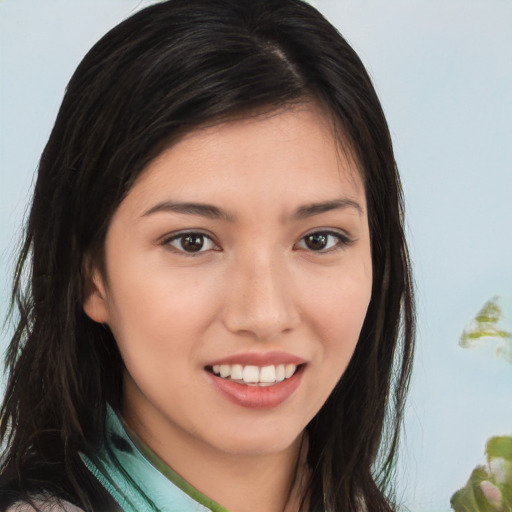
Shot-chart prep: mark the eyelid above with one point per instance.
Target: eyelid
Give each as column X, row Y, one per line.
column 344, row 240
column 170, row 237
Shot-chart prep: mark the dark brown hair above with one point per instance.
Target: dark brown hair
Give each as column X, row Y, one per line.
column 168, row 69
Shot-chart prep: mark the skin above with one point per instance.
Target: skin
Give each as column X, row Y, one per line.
column 255, row 286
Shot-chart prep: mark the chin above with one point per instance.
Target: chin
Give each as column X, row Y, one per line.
column 257, row 439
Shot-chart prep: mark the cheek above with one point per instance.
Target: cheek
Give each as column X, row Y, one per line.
column 343, row 296
column 339, row 312
column 150, row 306
column 335, row 317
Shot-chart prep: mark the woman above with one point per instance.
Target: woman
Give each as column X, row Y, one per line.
column 219, row 313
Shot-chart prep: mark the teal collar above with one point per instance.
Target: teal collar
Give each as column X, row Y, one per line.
column 138, row 479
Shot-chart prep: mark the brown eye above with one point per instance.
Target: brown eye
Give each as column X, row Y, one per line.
column 316, row 241
column 323, row 241
column 191, row 242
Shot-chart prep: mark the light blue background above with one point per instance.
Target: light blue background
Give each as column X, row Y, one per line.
column 443, row 70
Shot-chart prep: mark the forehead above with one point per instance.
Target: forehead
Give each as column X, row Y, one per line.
column 291, row 155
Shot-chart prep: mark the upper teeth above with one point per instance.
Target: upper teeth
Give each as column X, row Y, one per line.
column 255, row 374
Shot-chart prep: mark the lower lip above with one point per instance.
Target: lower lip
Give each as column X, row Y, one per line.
column 258, row 397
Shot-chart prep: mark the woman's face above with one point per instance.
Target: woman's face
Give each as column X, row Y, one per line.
column 237, row 278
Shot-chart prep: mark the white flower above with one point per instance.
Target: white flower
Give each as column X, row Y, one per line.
column 492, row 493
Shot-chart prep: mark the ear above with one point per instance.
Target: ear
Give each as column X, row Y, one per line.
column 95, row 297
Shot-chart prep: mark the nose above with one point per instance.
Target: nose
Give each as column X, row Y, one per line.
column 260, row 302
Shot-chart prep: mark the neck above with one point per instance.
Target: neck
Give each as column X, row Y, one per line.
column 245, row 484
column 238, row 482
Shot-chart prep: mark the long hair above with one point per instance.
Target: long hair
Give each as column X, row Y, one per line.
column 166, row 70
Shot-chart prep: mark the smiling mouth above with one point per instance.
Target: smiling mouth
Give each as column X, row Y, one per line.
column 251, row 375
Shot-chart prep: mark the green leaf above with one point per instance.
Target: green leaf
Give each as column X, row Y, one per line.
column 485, row 327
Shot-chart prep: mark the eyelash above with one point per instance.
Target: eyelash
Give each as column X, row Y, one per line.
column 342, row 241
column 184, row 234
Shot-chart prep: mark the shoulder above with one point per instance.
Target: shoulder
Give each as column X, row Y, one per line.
column 44, row 505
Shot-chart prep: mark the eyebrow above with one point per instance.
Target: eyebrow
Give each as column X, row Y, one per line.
column 214, row 212
column 326, row 206
column 201, row 209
